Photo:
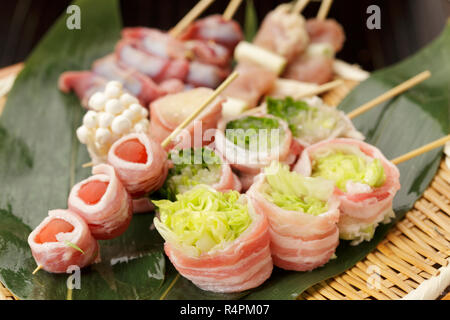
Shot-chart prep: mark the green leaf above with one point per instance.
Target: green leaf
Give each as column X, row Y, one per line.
column 251, row 21
column 40, row 160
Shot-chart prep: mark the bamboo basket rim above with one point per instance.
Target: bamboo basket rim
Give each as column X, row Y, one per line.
column 408, row 263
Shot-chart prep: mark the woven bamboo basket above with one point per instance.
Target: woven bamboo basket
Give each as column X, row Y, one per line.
column 409, row 263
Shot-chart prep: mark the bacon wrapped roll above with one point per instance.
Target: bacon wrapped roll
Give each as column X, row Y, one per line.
column 216, row 239
column 62, row 240
column 366, row 183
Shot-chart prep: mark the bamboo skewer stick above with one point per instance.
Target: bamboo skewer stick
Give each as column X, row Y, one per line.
column 299, row 6
column 39, row 267
column 194, row 115
column 390, row 94
column 321, row 89
column 196, row 11
column 231, row 9
column 417, row 152
column 324, row 9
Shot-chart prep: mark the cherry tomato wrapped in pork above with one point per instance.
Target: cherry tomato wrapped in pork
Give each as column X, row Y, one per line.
column 216, row 239
column 365, row 181
column 303, row 214
column 61, row 240
column 103, row 202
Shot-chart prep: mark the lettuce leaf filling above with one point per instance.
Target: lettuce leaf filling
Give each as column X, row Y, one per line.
column 291, row 191
column 254, row 132
column 202, row 219
column 191, row 168
column 341, row 168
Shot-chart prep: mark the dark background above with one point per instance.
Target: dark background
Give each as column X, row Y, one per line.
column 407, row 25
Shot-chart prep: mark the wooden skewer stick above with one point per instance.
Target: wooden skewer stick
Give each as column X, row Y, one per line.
column 299, row 6
column 39, row 267
column 324, row 9
column 194, row 115
column 390, row 94
column 433, row 145
column 320, row 89
column 231, row 9
column 196, row 11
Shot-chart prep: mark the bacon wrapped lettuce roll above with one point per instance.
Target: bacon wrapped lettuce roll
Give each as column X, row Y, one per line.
column 365, row 181
column 62, row 240
column 216, row 239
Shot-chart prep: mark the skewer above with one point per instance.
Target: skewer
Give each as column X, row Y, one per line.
column 231, row 9
column 39, row 267
column 412, row 154
column 324, row 9
column 196, row 11
column 321, row 89
column 189, row 119
column 299, row 6
column 390, row 94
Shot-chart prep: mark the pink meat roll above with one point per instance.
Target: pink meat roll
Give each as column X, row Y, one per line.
column 83, row 83
column 57, row 251
column 210, row 53
column 326, row 31
column 168, row 112
column 157, row 42
column 313, row 69
column 110, row 216
column 130, row 53
column 215, row 28
column 138, row 178
column 299, row 241
column 283, row 33
column 206, row 75
column 139, row 85
column 242, row 264
column 251, row 85
column 362, row 207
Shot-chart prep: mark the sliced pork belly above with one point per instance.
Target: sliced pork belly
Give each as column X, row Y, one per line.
column 103, row 202
column 231, row 266
column 168, row 112
column 55, row 240
column 139, row 85
column 363, row 207
column 300, row 241
column 252, row 83
column 206, row 75
column 326, row 31
column 140, row 162
column 83, row 83
column 215, row 28
column 209, row 52
column 142, row 205
column 283, row 33
column 157, row 42
column 313, row 69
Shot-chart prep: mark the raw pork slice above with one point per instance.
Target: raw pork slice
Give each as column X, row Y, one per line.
column 326, row 31
column 53, row 243
column 83, row 83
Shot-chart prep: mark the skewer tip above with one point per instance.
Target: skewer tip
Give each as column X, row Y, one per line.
column 39, row 267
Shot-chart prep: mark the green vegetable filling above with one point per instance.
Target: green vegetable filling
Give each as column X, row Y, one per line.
column 341, row 167
column 203, row 219
column 291, row 191
column 254, row 131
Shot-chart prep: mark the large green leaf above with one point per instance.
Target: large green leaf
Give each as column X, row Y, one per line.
column 40, row 159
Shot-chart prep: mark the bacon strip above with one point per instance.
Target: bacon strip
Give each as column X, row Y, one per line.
column 140, row 178
column 242, row 264
column 84, row 83
column 109, row 217
column 57, row 257
column 299, row 241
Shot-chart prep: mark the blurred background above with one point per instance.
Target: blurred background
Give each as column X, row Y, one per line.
column 406, row 25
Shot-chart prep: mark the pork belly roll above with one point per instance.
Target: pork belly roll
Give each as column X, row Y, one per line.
column 103, row 202
column 140, row 162
column 215, row 239
column 312, row 121
column 194, row 166
column 302, row 213
column 83, row 83
column 168, row 112
column 326, row 31
column 251, row 142
column 62, row 240
column 365, row 181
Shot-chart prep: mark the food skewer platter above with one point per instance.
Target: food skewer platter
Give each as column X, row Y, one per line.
column 405, row 259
